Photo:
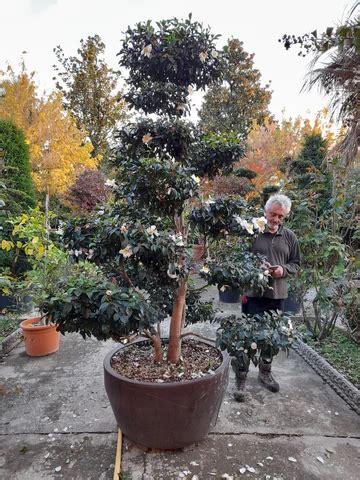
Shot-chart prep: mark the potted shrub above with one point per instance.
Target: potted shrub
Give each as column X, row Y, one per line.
column 165, row 393
column 47, row 262
column 245, row 336
column 198, row 248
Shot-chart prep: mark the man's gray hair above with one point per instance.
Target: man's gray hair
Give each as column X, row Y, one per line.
column 279, row 199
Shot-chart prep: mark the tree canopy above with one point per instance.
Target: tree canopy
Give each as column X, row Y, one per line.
column 233, row 104
column 90, row 92
column 17, row 192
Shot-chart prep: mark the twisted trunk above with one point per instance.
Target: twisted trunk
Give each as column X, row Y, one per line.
column 174, row 350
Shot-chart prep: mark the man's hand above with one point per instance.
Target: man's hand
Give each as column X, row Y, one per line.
column 277, row 272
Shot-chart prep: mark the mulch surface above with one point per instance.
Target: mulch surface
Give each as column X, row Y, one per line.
column 137, row 362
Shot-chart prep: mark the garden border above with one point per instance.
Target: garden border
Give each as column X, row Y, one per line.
column 345, row 389
column 11, row 341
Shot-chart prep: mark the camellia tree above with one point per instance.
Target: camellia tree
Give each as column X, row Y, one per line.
column 142, row 243
column 142, row 271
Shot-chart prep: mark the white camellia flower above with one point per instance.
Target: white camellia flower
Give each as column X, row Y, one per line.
column 146, row 51
column 190, row 90
column 147, row 138
column 261, row 276
column 196, row 179
column 126, row 252
column 179, row 240
column 253, row 346
column 205, row 269
column 152, row 231
column 170, row 273
column 259, row 223
column 110, row 183
column 108, row 293
column 247, row 226
column 124, row 228
column 203, row 56
column 214, row 53
column 100, row 212
column 290, row 327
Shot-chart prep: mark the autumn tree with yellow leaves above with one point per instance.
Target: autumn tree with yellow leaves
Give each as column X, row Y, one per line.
column 19, row 101
column 59, row 150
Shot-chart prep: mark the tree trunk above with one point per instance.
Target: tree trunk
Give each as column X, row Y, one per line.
column 156, row 341
column 174, row 351
column 47, row 225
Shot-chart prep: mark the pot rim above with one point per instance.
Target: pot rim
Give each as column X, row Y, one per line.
column 110, row 370
column 27, row 324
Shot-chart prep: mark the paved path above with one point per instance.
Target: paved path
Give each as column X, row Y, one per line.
column 55, row 413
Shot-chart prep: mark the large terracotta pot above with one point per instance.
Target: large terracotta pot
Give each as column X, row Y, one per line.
column 40, row 340
column 166, row 415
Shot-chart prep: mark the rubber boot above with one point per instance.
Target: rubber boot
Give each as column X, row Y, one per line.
column 265, row 376
column 240, row 378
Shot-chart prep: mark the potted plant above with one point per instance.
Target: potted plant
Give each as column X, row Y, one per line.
column 198, row 248
column 139, row 246
column 47, row 262
column 245, row 336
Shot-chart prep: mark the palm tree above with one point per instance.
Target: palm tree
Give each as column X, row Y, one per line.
column 339, row 77
column 338, row 51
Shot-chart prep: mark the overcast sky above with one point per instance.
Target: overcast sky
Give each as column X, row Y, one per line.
column 37, row 26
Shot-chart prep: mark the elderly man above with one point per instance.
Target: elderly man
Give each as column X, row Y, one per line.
column 281, row 248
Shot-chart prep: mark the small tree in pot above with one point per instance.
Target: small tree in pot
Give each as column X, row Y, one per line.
column 141, row 243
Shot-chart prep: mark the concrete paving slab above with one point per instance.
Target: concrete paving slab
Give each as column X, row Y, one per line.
column 35, row 457
column 263, row 457
column 305, row 404
column 62, row 390
column 62, row 396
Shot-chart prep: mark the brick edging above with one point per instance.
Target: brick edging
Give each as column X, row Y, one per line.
column 345, row 389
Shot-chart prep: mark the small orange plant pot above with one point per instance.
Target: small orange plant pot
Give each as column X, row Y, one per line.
column 198, row 251
column 40, row 340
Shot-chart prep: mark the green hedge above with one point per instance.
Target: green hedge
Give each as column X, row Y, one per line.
column 19, row 193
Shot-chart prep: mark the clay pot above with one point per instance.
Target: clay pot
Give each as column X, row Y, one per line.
column 166, row 416
column 198, row 251
column 40, row 340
